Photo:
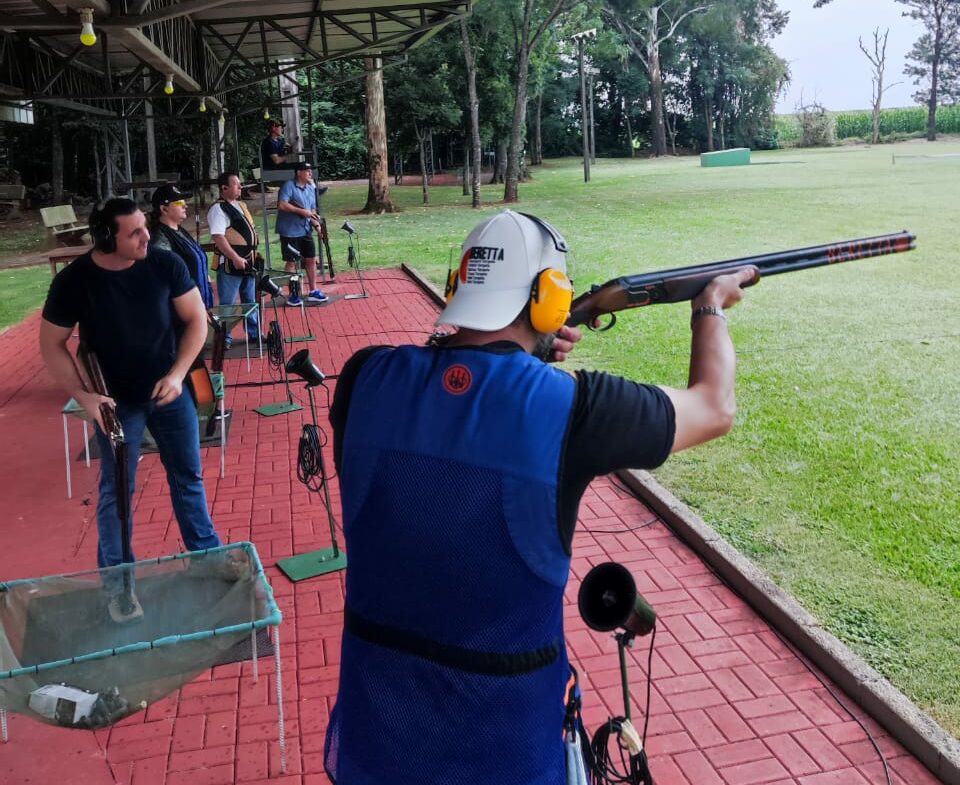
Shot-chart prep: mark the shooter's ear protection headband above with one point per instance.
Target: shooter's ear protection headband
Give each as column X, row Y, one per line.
column 101, row 232
column 550, row 294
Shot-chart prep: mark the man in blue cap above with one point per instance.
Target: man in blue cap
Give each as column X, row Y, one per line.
column 297, row 220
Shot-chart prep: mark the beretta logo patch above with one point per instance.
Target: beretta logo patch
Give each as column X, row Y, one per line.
column 457, row 379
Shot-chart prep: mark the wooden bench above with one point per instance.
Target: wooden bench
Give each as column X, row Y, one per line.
column 11, row 199
column 61, row 221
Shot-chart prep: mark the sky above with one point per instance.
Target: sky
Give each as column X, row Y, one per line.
column 826, row 63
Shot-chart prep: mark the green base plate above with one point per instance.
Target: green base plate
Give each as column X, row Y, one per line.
column 273, row 409
column 298, row 338
column 309, row 565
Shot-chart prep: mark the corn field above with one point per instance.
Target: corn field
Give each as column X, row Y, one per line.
column 859, row 125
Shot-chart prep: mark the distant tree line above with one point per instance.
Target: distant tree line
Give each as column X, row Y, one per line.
column 501, row 89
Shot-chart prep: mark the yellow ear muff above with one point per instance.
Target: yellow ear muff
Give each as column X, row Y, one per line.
column 550, row 300
column 451, row 288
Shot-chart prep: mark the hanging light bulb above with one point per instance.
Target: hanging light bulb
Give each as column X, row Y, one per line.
column 168, row 87
column 203, row 104
column 87, row 35
column 266, row 113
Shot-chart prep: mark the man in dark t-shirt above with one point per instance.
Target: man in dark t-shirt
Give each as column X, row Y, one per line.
column 274, row 148
column 141, row 314
column 461, row 470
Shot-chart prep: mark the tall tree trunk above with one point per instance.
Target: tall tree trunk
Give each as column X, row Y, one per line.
column 626, row 120
column 536, row 155
column 56, row 153
column 722, row 130
column 512, row 179
column 378, row 191
column 708, row 121
column 474, row 112
column 502, row 153
column 424, row 184
column 934, row 86
column 658, row 133
column 467, row 178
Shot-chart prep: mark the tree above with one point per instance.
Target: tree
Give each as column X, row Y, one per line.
column 420, row 97
column 529, row 34
column 878, row 62
column 935, row 55
column 474, row 102
column 645, row 27
column 378, row 191
column 733, row 74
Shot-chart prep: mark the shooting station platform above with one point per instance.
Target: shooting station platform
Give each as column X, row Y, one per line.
column 732, row 703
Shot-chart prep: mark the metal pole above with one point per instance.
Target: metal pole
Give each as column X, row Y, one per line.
column 583, row 113
column 593, row 127
column 108, row 158
column 236, row 144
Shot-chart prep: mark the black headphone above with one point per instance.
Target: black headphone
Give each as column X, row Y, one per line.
column 101, row 231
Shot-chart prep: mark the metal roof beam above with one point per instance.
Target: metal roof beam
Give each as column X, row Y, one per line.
column 156, row 58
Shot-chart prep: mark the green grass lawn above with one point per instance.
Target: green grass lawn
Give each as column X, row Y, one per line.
column 841, row 476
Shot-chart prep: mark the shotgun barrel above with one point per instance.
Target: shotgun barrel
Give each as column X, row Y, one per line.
column 685, row 283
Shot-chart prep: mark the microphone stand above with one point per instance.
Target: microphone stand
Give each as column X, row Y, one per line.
column 275, row 346
column 324, row 560
column 353, row 259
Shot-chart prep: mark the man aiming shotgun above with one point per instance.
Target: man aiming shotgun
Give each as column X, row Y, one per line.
column 462, row 465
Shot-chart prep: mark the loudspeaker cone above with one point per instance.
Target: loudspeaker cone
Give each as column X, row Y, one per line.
column 301, row 365
column 608, row 599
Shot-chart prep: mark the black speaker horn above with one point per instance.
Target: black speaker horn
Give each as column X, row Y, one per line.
column 609, row 599
column 348, row 228
column 301, row 365
column 268, row 286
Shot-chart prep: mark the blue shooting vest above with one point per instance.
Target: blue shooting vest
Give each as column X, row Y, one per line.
column 453, row 665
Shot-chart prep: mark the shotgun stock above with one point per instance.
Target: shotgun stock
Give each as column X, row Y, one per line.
column 685, row 283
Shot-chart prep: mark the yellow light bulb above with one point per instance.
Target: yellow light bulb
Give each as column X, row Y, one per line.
column 203, row 104
column 266, row 114
column 168, row 87
column 87, row 35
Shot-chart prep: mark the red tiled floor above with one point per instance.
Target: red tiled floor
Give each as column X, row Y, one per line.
column 731, row 705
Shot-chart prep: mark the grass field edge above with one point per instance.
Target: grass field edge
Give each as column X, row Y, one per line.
column 919, row 733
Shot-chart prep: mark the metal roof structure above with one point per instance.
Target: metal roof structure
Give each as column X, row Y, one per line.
column 209, row 47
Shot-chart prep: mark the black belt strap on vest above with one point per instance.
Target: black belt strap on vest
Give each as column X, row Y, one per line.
column 488, row 663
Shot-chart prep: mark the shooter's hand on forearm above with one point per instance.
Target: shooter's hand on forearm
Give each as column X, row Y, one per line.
column 563, row 342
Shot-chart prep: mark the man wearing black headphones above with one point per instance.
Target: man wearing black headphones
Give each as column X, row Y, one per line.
column 461, row 471
column 131, row 303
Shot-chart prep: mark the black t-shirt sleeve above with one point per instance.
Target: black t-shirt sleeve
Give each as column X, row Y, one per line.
column 615, row 424
column 341, row 397
column 180, row 279
column 64, row 306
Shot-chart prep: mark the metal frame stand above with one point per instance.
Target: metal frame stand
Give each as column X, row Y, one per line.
column 324, row 560
column 289, row 405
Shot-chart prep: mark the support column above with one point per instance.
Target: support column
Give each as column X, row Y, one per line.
column 151, row 137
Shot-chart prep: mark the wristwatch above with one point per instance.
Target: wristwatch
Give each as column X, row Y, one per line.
column 706, row 310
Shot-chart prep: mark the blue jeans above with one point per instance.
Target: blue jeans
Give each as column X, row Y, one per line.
column 177, row 432
column 229, row 286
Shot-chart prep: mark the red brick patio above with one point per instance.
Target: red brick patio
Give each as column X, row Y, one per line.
column 731, row 705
